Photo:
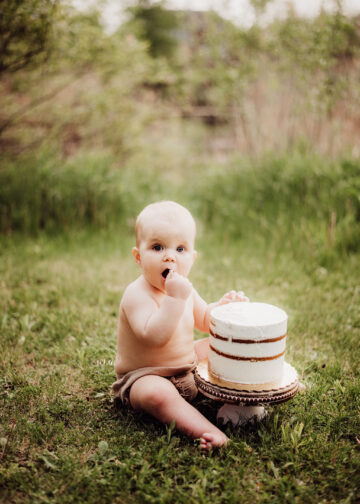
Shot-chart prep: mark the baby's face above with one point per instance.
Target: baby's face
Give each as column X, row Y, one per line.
column 165, row 245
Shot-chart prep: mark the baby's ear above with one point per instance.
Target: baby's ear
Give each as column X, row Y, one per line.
column 194, row 255
column 136, row 255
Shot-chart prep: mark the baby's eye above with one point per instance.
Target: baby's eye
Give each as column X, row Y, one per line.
column 180, row 249
column 157, row 247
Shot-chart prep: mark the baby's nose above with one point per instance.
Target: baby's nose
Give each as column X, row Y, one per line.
column 169, row 255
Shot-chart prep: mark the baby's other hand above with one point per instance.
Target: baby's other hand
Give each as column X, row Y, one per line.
column 177, row 286
column 233, row 297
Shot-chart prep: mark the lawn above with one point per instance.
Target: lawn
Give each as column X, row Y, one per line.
column 62, row 438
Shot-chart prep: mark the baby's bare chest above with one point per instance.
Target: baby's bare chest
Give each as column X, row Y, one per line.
column 186, row 323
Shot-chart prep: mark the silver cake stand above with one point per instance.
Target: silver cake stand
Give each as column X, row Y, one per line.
column 247, row 395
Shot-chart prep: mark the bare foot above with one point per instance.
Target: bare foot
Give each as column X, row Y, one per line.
column 210, row 440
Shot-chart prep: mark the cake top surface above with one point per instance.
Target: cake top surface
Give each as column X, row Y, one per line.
column 248, row 314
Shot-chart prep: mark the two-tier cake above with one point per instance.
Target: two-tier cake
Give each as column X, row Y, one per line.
column 247, row 343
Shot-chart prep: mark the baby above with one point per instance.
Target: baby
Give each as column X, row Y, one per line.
column 156, row 353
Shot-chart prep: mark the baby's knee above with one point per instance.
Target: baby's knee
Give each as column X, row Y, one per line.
column 150, row 394
column 154, row 399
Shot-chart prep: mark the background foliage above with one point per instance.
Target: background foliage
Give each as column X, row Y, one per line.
column 168, row 94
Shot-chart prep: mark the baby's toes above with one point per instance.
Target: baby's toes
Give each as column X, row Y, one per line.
column 204, row 446
column 206, row 442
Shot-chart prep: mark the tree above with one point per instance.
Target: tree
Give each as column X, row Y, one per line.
column 156, row 26
column 25, row 33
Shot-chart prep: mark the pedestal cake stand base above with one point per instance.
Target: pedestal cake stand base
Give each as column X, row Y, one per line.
column 243, row 394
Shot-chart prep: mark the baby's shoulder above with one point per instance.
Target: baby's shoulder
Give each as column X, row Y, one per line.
column 135, row 294
column 132, row 290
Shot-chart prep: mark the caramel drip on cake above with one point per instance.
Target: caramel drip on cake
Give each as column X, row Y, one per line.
column 247, row 341
column 239, row 357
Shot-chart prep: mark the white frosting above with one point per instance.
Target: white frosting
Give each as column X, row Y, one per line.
column 246, row 372
column 254, row 324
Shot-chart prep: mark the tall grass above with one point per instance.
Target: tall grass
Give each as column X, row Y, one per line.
column 282, row 196
column 47, row 193
column 296, row 195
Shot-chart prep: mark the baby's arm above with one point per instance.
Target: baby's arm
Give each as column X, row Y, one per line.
column 155, row 324
column 202, row 309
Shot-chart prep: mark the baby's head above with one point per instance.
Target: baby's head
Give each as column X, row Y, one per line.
column 156, row 214
column 165, row 236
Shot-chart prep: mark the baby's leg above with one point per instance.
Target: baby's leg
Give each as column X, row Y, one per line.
column 159, row 397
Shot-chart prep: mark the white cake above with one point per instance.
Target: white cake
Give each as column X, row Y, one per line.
column 247, row 343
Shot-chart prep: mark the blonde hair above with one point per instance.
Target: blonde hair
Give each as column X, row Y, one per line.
column 168, row 208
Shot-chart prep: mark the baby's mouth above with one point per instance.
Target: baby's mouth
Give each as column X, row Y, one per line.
column 165, row 272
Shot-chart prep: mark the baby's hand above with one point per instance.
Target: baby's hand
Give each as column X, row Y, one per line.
column 233, row 297
column 177, row 286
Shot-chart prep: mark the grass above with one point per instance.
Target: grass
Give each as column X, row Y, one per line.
column 63, row 440
column 46, row 192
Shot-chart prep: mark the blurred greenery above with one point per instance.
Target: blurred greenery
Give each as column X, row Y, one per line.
column 68, row 83
column 26, row 33
column 298, row 197
column 256, row 131
column 94, row 124
column 156, row 25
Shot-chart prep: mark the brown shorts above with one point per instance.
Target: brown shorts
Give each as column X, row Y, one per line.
column 181, row 376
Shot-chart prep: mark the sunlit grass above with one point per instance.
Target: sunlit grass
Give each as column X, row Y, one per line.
column 62, row 439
